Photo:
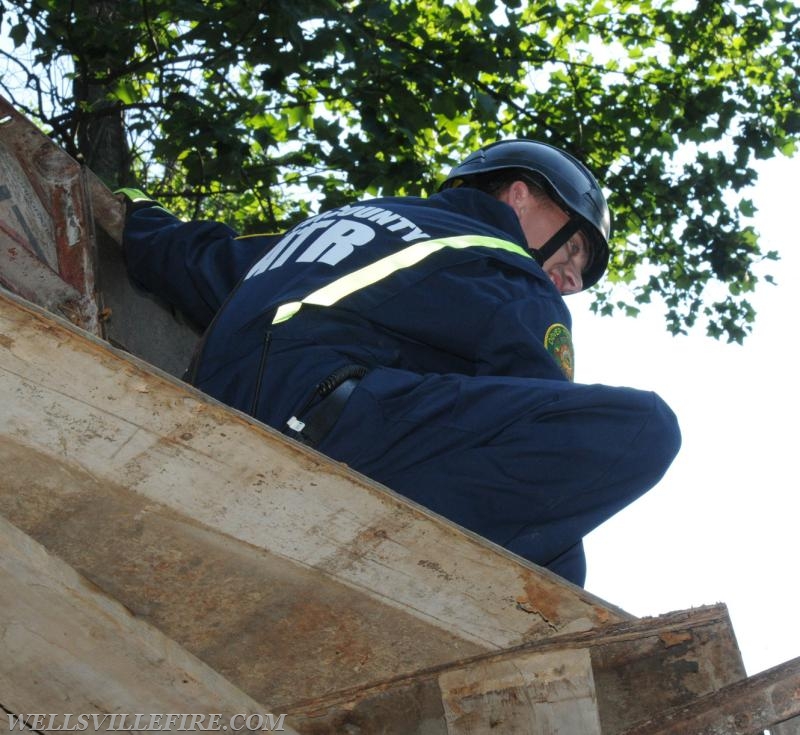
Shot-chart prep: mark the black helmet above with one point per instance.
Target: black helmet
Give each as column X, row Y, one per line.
column 566, row 179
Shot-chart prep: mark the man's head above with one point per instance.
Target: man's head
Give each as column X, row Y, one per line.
column 561, row 209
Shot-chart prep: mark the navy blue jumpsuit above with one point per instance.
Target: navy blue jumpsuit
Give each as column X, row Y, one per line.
column 467, row 406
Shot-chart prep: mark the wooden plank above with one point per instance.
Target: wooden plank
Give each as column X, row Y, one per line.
column 272, row 627
column 543, row 693
column 641, row 666
column 69, row 648
column 133, row 438
column 744, row 708
column 4, row 726
column 694, row 653
column 788, row 727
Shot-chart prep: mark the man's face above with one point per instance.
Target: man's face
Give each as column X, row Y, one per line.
column 540, row 218
column 566, row 266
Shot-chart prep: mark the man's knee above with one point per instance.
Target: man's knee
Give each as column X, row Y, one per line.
column 570, row 564
column 662, row 435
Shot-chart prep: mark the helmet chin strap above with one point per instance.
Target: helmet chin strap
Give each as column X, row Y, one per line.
column 552, row 246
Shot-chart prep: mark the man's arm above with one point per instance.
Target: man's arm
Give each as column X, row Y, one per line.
column 192, row 265
column 528, row 337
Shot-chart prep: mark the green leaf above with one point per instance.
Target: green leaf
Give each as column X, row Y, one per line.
column 747, row 208
column 126, row 92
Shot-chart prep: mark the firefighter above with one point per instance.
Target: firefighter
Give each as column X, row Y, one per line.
column 425, row 342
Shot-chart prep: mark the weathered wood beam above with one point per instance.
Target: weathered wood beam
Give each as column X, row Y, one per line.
column 47, row 243
column 598, row 681
column 788, row 727
column 536, row 693
column 67, row 647
column 274, row 628
column 744, row 708
column 4, row 726
column 198, row 515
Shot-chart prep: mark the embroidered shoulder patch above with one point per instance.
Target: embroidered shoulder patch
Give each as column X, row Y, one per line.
column 558, row 342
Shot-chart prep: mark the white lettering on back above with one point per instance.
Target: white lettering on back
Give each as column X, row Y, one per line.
column 340, row 236
column 337, row 242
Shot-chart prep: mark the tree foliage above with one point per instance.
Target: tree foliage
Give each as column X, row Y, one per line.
column 259, row 112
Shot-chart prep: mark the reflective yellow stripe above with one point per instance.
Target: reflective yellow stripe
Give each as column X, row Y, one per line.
column 380, row 269
column 259, row 234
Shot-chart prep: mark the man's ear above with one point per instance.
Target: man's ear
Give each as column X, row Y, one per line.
column 517, row 196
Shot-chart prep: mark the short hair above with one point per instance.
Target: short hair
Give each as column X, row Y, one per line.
column 495, row 183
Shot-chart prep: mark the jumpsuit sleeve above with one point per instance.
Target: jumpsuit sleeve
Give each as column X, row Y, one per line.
column 192, row 265
column 499, row 318
column 527, row 337
column 479, row 317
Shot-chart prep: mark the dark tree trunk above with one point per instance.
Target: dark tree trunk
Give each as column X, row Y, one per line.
column 100, row 128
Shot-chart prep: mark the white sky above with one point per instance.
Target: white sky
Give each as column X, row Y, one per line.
column 722, row 525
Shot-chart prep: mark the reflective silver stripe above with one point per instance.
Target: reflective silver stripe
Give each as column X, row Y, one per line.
column 380, row 269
